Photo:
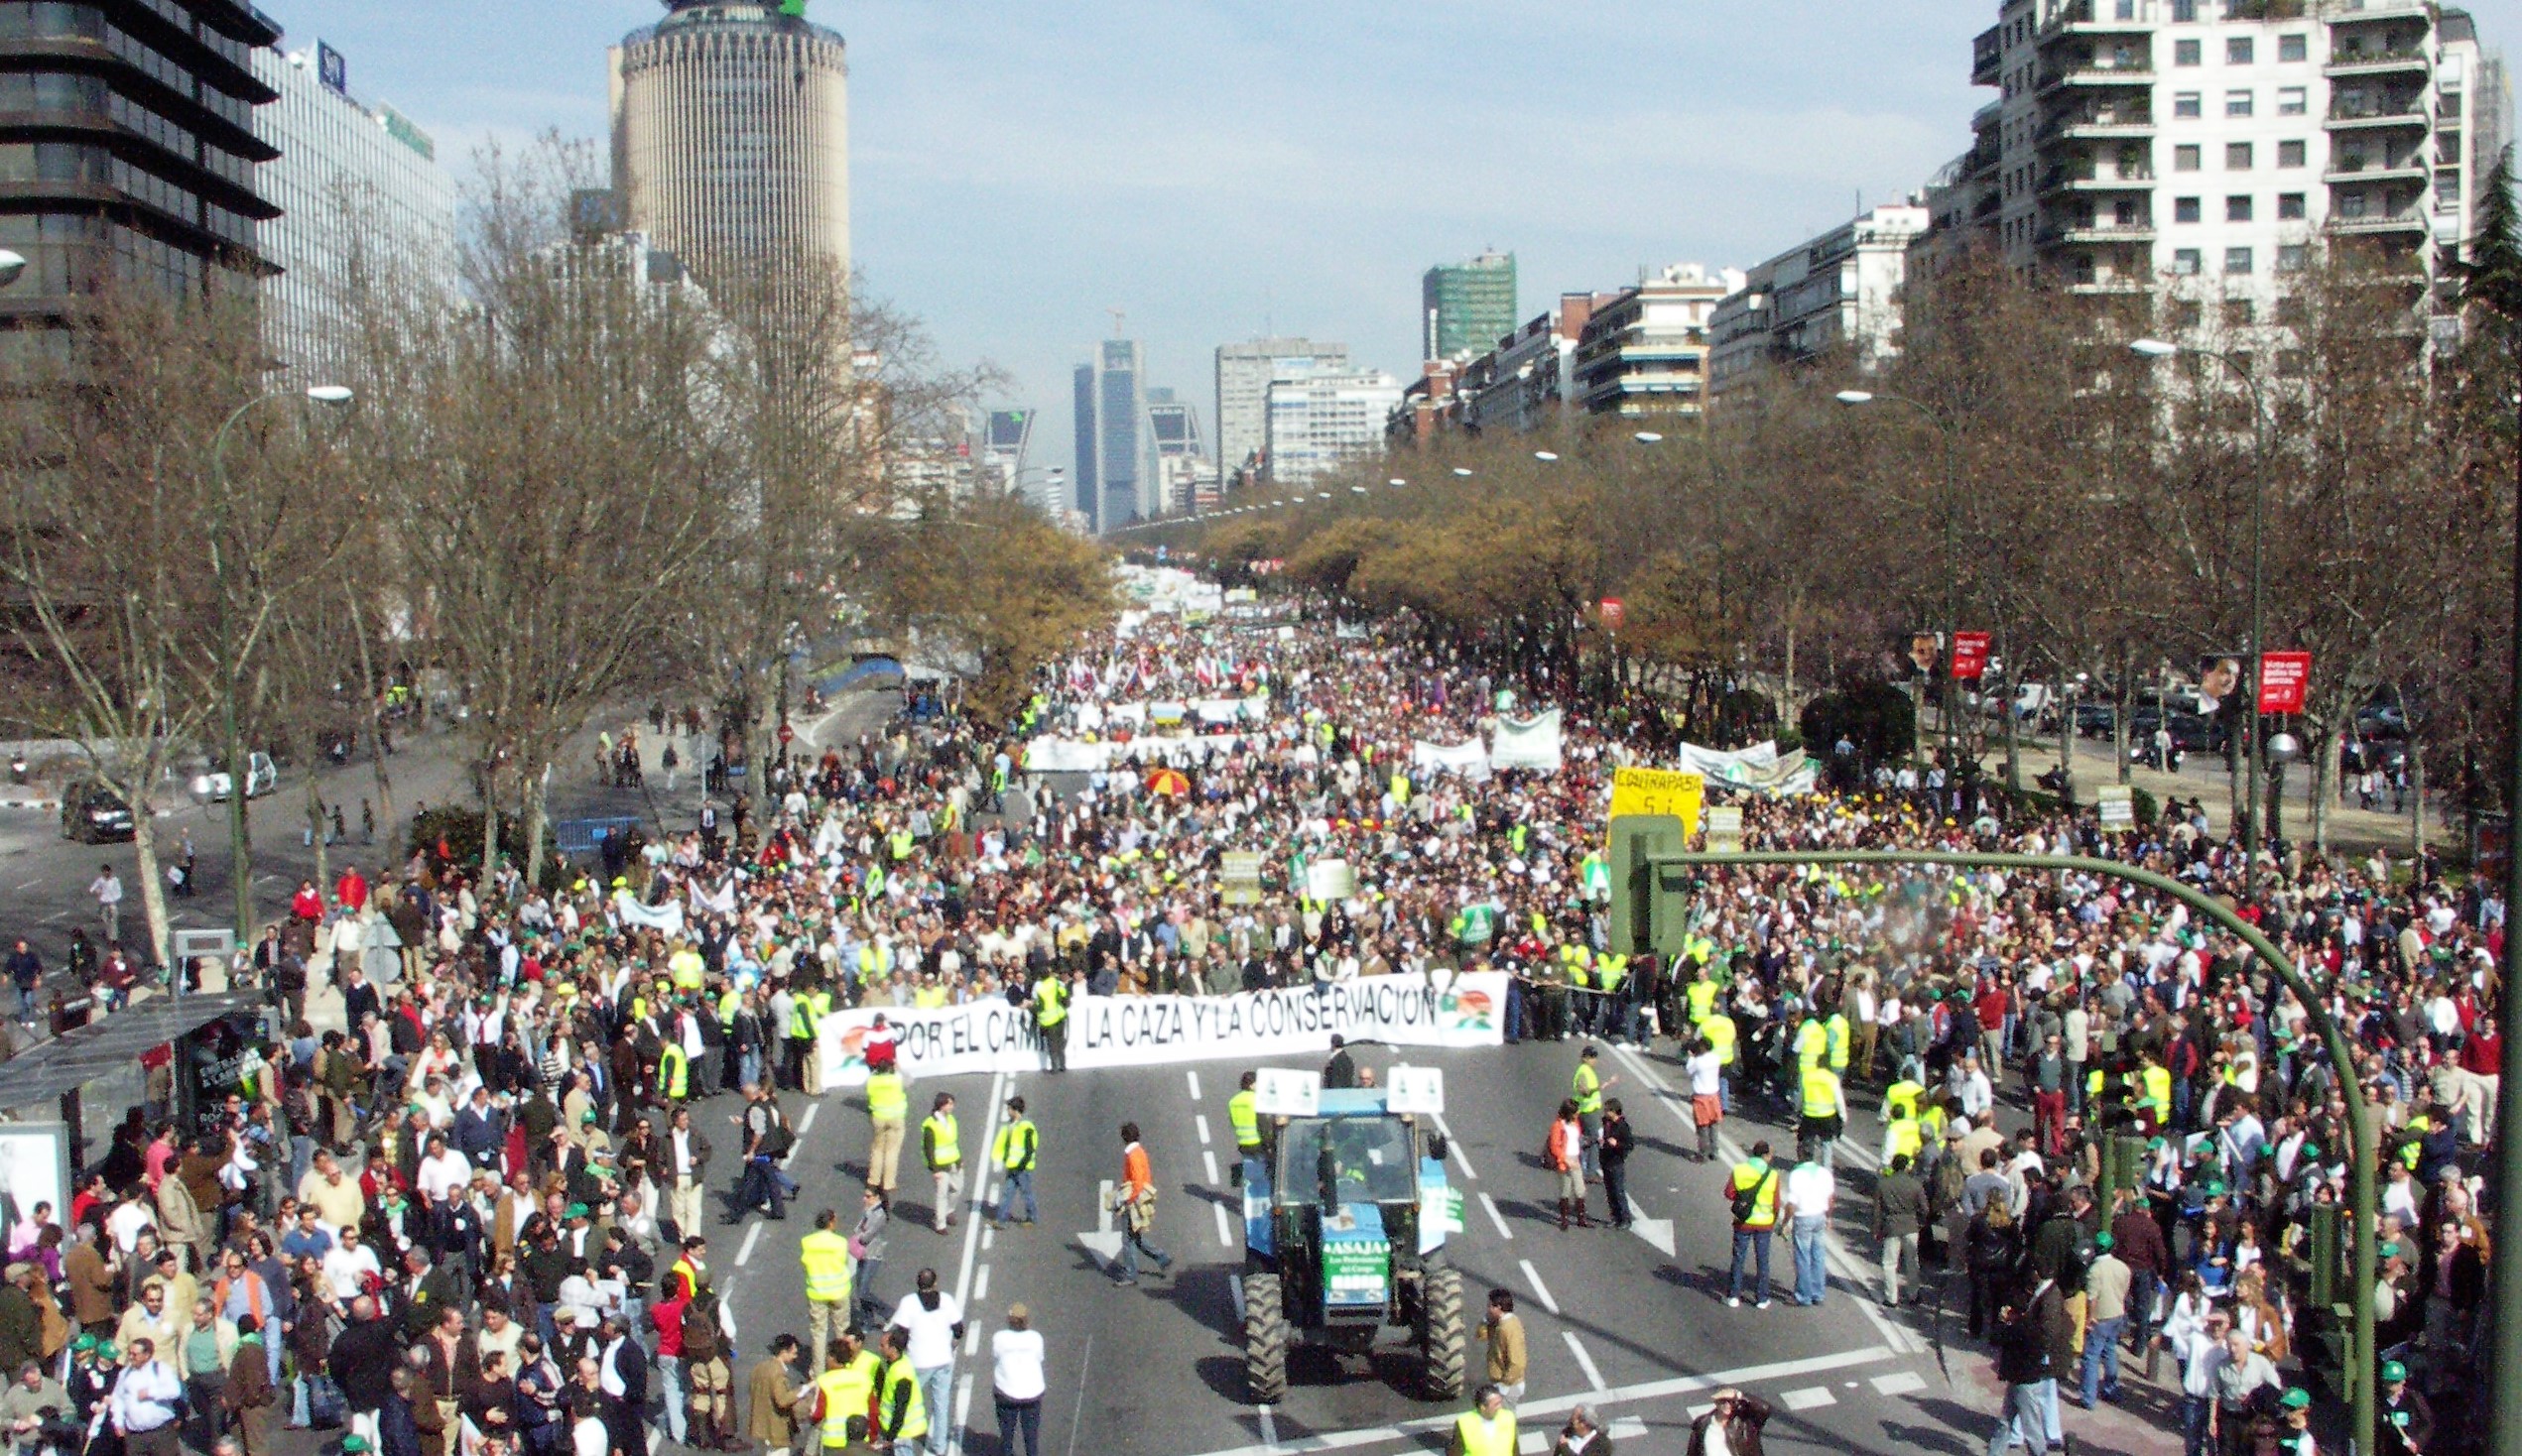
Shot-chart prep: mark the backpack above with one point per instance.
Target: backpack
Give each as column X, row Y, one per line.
column 700, row 1331
column 1746, row 1201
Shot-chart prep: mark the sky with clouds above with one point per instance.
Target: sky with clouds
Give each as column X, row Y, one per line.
column 1216, row 166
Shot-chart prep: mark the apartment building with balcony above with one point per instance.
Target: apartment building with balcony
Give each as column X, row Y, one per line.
column 1644, row 350
column 2218, row 141
column 1841, row 287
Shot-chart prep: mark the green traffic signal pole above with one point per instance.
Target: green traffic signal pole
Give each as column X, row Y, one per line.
column 2363, row 1156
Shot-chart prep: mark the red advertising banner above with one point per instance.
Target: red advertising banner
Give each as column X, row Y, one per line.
column 1970, row 656
column 2281, row 679
column 1614, row 612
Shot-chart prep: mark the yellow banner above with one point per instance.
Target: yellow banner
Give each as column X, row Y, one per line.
column 1659, row 792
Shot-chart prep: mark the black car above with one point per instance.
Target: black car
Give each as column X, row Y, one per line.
column 94, row 814
column 2095, row 720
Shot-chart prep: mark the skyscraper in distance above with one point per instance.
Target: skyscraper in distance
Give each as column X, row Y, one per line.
column 1466, row 307
column 1244, row 373
column 1088, row 496
column 731, row 135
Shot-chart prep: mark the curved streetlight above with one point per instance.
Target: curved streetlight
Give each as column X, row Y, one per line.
column 1396, row 481
column 12, row 264
column 1358, row 490
column 1463, row 470
column 1547, row 457
column 1647, row 438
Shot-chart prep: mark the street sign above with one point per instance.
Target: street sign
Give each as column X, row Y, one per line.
column 2116, row 805
column 1614, row 612
column 1970, row 656
column 1659, row 792
column 787, row 735
column 2283, row 676
column 1287, row 1092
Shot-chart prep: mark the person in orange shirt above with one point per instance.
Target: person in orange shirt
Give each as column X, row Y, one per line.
column 1137, row 1198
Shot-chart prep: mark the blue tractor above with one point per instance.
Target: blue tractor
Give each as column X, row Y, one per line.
column 1345, row 1213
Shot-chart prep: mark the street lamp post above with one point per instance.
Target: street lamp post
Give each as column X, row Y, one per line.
column 1855, row 398
column 239, row 771
column 2159, row 349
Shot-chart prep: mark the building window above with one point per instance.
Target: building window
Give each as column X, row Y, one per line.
column 2185, row 209
column 2290, row 207
column 2188, row 313
column 2237, row 260
column 2187, row 53
column 2186, row 158
column 2237, row 210
column 2184, row 262
column 2184, row 10
column 2238, row 313
column 2446, row 187
column 2292, row 102
column 2238, row 103
column 2237, row 51
column 2296, row 47
column 2290, row 153
column 2186, row 104
column 2291, row 257
column 2237, row 156
column 2351, row 204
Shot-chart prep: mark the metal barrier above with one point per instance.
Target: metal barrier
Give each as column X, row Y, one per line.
column 585, row 836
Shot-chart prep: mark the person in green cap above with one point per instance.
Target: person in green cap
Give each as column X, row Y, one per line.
column 2403, row 1422
column 2294, row 1417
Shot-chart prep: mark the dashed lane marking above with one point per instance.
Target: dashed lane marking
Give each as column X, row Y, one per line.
column 1454, row 1144
column 1496, row 1217
column 1541, row 1290
column 980, row 1284
column 1534, row 1410
column 1201, row 1119
column 1810, row 1397
column 1899, row 1382
column 1584, row 1361
column 744, row 1255
column 962, row 1413
column 1226, row 1230
column 1208, row 1164
column 1193, row 1078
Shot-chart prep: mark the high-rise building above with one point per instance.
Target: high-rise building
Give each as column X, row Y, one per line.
column 731, row 135
column 1644, row 351
column 1842, row 287
column 128, row 144
column 355, row 183
column 2213, row 142
column 1187, row 480
column 1466, row 307
column 1005, row 439
column 1322, row 419
column 1117, row 479
column 1244, row 375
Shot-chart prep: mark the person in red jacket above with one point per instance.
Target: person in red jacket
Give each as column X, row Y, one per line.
column 307, row 904
column 2481, row 1060
column 351, row 889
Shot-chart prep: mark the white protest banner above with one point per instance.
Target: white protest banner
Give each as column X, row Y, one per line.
column 1526, row 743
column 1470, row 759
column 990, row 1036
column 1759, row 768
column 2116, row 805
column 1330, row 880
column 1725, row 828
column 1066, row 756
column 667, row 917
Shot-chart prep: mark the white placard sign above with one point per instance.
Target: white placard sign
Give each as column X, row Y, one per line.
column 1330, row 880
column 1410, row 1089
column 1287, row 1092
column 35, row 1167
column 2117, row 807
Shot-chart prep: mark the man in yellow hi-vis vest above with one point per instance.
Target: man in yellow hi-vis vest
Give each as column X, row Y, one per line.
column 888, row 1108
column 1019, row 1144
column 1245, row 1119
column 1752, row 1193
column 1817, row 1134
column 846, row 1389
column 1486, row 1429
column 1587, row 1090
column 825, row 1255
column 900, row 1408
column 942, row 1148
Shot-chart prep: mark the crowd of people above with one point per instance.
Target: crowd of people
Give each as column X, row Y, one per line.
column 473, row 1218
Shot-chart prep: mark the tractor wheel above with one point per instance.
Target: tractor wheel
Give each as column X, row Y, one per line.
column 1440, row 1336
column 1265, row 1338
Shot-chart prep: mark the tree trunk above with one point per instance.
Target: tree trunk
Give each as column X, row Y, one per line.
column 376, row 718
column 2014, row 736
column 2317, row 788
column 1785, row 700
column 153, row 888
column 2119, row 726
column 489, row 820
column 535, row 822
column 2416, row 800
column 241, row 841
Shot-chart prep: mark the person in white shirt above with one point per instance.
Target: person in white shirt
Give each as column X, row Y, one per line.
column 1811, row 1189
column 348, row 1263
column 1969, row 1085
column 934, row 1323
column 143, row 1405
column 1706, row 1069
column 107, row 886
column 1016, row 1383
column 442, row 1170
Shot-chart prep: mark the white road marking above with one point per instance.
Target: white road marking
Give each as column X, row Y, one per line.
column 1812, row 1397
column 1269, row 1429
column 1225, row 1229
column 1209, row 1162
column 31, row 884
column 744, row 1254
column 1534, row 1410
column 962, row 1412
column 972, row 1222
column 1193, row 1078
column 1584, row 1361
column 989, row 1238
column 1235, row 1286
column 655, row 1434
column 1453, row 1146
column 806, row 1124
column 1541, row 1290
column 1202, row 1121
column 980, row 1285
column 1628, row 1428
column 1496, row 1217
column 971, row 1339
column 1899, row 1382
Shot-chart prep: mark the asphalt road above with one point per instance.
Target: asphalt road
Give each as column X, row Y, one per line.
column 1613, row 1318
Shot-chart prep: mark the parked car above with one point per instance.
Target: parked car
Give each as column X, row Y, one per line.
column 212, row 785
column 93, row 814
column 2095, row 720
